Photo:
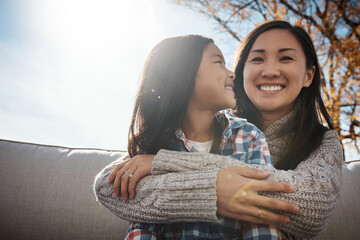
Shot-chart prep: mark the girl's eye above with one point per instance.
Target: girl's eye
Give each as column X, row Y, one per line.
column 286, row 58
column 257, row 59
column 219, row 62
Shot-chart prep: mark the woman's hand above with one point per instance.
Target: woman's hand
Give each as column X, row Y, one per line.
column 238, row 198
column 126, row 174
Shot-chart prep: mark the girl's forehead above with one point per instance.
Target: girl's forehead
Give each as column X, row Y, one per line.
column 212, row 51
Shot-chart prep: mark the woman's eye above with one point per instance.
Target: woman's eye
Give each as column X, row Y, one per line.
column 219, row 62
column 257, row 59
column 286, row 58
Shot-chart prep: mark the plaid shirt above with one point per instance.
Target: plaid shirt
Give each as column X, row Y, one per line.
column 240, row 140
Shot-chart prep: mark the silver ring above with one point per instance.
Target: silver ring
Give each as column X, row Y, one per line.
column 259, row 213
column 129, row 174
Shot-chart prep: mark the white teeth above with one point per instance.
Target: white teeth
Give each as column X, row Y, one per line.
column 272, row 88
column 229, row 88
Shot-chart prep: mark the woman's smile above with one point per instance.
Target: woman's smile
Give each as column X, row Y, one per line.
column 271, row 88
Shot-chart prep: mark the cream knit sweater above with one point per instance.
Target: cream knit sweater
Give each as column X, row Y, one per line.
column 182, row 186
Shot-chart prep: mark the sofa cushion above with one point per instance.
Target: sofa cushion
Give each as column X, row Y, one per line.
column 345, row 220
column 47, row 193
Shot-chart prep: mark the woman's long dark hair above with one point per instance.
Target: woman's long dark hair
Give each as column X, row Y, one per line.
column 167, row 84
column 309, row 109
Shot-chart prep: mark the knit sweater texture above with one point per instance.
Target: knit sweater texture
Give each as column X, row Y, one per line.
column 182, row 186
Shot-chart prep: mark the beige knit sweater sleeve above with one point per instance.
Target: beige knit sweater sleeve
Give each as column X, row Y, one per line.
column 188, row 193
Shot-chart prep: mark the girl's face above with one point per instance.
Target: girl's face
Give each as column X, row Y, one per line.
column 275, row 72
column 214, row 82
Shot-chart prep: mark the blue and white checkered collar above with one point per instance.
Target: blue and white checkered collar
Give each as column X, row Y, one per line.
column 233, row 123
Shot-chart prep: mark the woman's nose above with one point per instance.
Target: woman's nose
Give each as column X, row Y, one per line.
column 270, row 70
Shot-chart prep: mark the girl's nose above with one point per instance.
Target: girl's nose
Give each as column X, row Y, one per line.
column 270, row 70
column 231, row 75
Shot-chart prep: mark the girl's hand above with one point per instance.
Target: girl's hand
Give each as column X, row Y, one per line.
column 237, row 196
column 126, row 174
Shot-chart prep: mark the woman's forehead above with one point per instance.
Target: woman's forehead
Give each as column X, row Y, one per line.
column 276, row 39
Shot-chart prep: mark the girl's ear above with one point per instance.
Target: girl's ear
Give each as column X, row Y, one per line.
column 309, row 76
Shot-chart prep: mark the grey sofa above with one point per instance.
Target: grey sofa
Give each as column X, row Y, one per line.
column 46, row 193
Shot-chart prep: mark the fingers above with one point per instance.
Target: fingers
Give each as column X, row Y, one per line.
column 243, row 217
column 139, row 166
column 118, row 178
column 125, row 183
column 138, row 171
column 270, row 186
column 251, row 173
column 252, row 219
column 116, row 169
column 132, row 183
column 248, row 195
column 252, row 212
column 270, row 217
column 275, row 204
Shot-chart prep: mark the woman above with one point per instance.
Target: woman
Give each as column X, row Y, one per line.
column 185, row 83
column 277, row 86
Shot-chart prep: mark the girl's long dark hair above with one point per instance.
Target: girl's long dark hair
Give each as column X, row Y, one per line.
column 167, row 84
column 309, row 109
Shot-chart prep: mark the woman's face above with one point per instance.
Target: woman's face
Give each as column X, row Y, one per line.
column 275, row 72
column 214, row 82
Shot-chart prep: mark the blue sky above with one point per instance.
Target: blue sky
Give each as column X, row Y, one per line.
column 69, row 69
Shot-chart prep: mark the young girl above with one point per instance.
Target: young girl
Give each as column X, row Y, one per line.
column 184, row 85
